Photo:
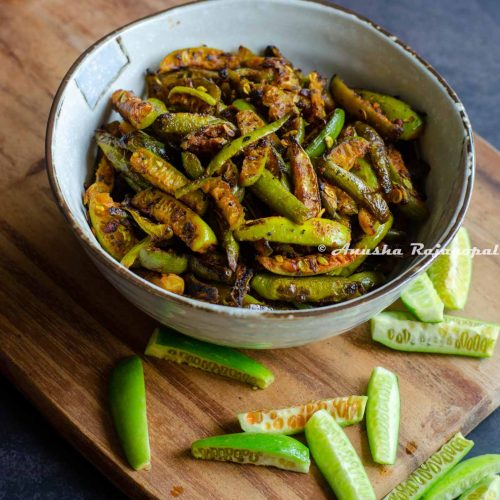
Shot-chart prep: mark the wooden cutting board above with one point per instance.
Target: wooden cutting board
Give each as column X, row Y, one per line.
column 62, row 326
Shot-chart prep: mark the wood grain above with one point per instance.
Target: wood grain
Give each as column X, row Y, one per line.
column 62, row 326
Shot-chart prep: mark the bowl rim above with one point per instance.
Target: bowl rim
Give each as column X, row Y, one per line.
column 397, row 282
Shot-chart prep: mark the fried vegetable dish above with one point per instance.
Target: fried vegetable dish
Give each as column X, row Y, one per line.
column 242, row 181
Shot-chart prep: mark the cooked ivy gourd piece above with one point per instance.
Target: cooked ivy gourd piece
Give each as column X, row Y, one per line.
column 237, row 173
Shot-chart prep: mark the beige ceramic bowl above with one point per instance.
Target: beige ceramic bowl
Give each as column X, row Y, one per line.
column 314, row 36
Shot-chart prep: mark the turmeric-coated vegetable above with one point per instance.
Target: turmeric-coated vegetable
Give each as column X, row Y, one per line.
column 307, row 265
column 198, row 93
column 378, row 153
column 137, row 139
column 396, row 110
column 238, row 144
column 243, row 105
column 313, row 232
column 225, row 200
column 305, row 180
column 346, row 153
column 325, row 289
column 162, row 174
column 168, row 281
column 139, row 113
column 162, row 261
column 104, row 180
column 237, row 168
column 253, row 164
column 199, row 57
column 365, row 243
column 169, row 124
column 185, row 223
column 317, row 89
column 329, row 133
column 116, row 155
column 158, row 232
column 111, row 225
column 132, row 255
column 211, row 267
column 356, row 188
column 192, row 165
column 366, row 220
column 411, row 204
column 362, row 109
column 271, row 191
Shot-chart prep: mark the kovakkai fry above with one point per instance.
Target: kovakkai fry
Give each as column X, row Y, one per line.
column 186, row 224
column 161, row 174
column 237, row 173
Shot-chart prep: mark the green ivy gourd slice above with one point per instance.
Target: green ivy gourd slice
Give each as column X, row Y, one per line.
column 127, row 397
column 451, row 272
column 432, row 470
column 276, row 450
column 382, row 415
column 463, row 476
column 168, row 344
column 421, row 299
column 465, row 337
column 337, row 459
column 346, row 411
column 486, row 489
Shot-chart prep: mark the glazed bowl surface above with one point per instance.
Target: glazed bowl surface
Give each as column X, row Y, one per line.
column 312, row 35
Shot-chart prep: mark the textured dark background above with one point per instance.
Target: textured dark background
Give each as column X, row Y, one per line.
column 461, row 39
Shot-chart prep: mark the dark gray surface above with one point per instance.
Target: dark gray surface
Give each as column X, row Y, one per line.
column 461, row 39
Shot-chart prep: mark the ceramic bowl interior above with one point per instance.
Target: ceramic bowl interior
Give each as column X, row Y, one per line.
column 313, row 36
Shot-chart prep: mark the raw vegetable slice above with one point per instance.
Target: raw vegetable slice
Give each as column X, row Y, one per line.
column 382, row 415
column 253, row 448
column 463, row 476
column 432, row 470
column 451, row 272
column 168, row 344
column 336, row 458
column 465, row 337
column 127, row 397
column 487, row 489
column 346, row 411
column 421, row 298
